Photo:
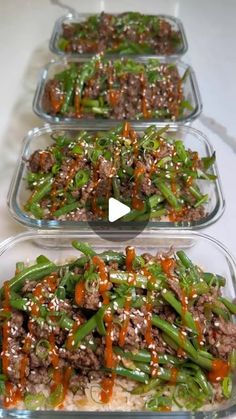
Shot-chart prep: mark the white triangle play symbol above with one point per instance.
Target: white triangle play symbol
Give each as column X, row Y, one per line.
column 116, row 209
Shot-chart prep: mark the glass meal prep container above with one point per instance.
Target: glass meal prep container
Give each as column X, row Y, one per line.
column 191, row 96
column 175, row 23
column 205, row 251
column 40, row 138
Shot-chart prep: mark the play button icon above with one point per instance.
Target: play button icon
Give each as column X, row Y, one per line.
column 116, row 210
column 117, row 221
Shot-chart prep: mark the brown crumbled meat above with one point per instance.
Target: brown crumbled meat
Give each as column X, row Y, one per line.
column 91, row 300
column 81, row 358
column 16, row 322
column 36, row 361
column 174, row 286
column 221, row 337
column 39, row 376
column 53, row 93
column 41, row 161
column 111, row 31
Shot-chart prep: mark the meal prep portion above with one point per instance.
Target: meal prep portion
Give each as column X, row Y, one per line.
column 154, row 330
column 117, row 89
column 126, row 33
column 151, row 172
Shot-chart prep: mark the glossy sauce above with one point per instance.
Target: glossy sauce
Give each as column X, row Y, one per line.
column 126, row 129
column 168, row 265
column 24, row 362
column 79, row 292
column 56, row 99
column 114, row 96
column 175, row 216
column 184, row 303
column 12, row 395
column 220, row 370
column 107, row 385
column 173, row 377
column 137, row 203
column 199, row 329
column 182, row 338
column 53, row 351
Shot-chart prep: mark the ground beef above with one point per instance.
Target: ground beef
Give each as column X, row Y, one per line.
column 81, row 358
column 41, row 161
column 221, row 336
column 39, row 376
column 174, row 286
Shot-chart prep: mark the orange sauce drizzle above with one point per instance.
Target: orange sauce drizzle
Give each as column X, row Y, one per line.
column 53, row 351
column 182, row 338
column 199, row 329
column 165, row 409
column 113, row 96
column 126, row 129
column 130, row 256
column 173, row 377
column 167, row 265
column 137, row 203
column 56, row 100
column 107, row 385
column 177, row 215
column 220, row 370
column 184, row 303
column 12, row 395
column 79, row 292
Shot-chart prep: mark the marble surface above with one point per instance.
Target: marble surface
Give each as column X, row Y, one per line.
column 25, row 29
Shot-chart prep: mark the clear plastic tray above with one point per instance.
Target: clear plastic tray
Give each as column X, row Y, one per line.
column 39, row 138
column 79, row 17
column 204, row 250
column 190, row 92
